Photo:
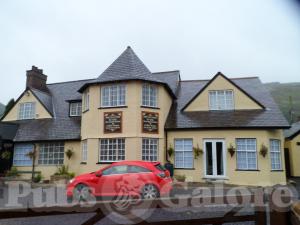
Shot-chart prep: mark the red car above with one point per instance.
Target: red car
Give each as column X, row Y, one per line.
column 148, row 180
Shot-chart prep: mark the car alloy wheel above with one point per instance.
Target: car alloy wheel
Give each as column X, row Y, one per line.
column 82, row 193
column 150, row 192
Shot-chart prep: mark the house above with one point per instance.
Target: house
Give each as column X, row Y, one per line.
column 292, row 148
column 218, row 128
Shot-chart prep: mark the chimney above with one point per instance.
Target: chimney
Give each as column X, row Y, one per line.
column 36, row 79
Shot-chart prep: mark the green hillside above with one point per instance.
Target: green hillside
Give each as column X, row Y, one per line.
column 2, row 108
column 282, row 93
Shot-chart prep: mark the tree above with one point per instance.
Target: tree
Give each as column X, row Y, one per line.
column 32, row 156
column 9, row 105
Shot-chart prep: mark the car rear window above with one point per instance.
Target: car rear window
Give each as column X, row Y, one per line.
column 160, row 167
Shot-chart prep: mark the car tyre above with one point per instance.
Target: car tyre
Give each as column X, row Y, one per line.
column 150, row 191
column 82, row 193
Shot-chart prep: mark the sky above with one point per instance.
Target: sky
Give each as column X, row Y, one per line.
column 75, row 40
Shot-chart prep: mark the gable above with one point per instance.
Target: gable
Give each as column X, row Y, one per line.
column 242, row 101
column 27, row 96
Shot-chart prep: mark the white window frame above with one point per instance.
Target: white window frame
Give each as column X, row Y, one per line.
column 183, row 151
column 111, row 95
column 49, row 152
column 20, row 155
column 218, row 103
column 75, row 108
column 274, row 151
column 84, row 151
column 149, row 100
column 149, row 146
column 28, row 112
column 86, row 101
column 246, row 150
column 110, row 152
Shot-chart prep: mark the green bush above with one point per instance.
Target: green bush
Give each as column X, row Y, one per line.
column 13, row 172
column 63, row 170
column 37, row 178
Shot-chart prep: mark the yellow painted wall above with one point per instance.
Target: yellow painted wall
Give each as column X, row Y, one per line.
column 27, row 97
column 263, row 177
column 241, row 101
column 294, row 153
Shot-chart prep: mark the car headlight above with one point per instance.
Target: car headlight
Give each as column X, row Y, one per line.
column 71, row 181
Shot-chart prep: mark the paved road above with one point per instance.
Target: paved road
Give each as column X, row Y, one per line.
column 155, row 215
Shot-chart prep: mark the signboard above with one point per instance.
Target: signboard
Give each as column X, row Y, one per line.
column 113, row 122
column 150, row 122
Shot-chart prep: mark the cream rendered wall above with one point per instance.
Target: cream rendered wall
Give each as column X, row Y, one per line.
column 27, row 97
column 294, row 153
column 48, row 170
column 241, row 101
column 92, row 123
column 263, row 177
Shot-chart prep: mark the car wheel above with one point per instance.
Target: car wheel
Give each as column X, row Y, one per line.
column 150, row 191
column 82, row 193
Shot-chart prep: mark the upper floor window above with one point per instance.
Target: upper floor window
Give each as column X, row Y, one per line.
column 86, row 101
column 221, row 100
column 75, row 109
column 27, row 110
column 113, row 95
column 149, row 95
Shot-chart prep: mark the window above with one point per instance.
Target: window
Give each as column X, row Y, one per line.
column 75, row 109
column 51, row 153
column 149, row 95
column 84, row 150
column 246, row 154
column 20, row 155
column 27, row 110
column 112, row 96
column 149, row 149
column 137, row 169
column 221, row 100
column 275, row 154
column 115, row 170
column 86, row 101
column 112, row 150
column 184, row 153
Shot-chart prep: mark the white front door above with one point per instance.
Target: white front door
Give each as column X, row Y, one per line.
column 214, row 158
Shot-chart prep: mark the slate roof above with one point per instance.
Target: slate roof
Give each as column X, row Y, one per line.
column 128, row 67
column 61, row 126
column 8, row 131
column 293, row 131
column 45, row 99
column 271, row 117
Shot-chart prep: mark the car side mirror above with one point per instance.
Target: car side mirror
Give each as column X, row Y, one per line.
column 98, row 174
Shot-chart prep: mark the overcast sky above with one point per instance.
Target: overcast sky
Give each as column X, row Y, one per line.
column 73, row 40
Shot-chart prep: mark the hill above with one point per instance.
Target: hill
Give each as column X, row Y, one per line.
column 2, row 108
column 287, row 95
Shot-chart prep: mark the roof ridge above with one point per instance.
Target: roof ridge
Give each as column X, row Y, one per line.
column 72, row 81
column 234, row 78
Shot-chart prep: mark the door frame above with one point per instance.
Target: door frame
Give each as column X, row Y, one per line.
column 214, row 140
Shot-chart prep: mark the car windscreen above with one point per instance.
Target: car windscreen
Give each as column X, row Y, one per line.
column 160, row 167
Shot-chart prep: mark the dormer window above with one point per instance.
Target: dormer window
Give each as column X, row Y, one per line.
column 75, row 109
column 149, row 95
column 113, row 95
column 27, row 110
column 221, row 100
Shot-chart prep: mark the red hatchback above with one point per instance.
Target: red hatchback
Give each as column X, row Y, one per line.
column 131, row 178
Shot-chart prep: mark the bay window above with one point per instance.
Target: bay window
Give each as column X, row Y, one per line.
column 113, row 95
column 149, row 95
column 112, row 150
column 150, row 149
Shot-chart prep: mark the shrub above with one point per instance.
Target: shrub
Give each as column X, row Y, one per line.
column 37, row 178
column 13, row 172
column 180, row 178
column 63, row 170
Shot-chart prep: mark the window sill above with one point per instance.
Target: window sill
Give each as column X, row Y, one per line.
column 149, row 107
column 247, row 170
column 85, row 111
column 184, row 168
column 277, row 170
column 74, row 116
column 83, row 163
column 105, row 162
column 113, row 107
